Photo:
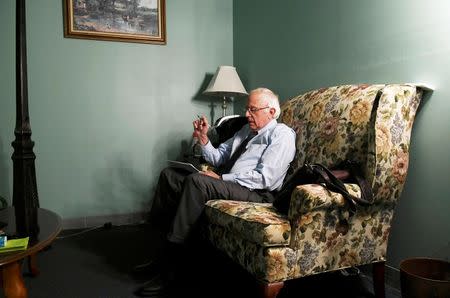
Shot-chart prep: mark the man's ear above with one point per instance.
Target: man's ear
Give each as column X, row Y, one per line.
column 272, row 112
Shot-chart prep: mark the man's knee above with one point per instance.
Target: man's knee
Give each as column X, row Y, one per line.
column 198, row 180
column 169, row 175
column 165, row 172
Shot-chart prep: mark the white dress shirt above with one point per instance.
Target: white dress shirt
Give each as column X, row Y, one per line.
column 265, row 161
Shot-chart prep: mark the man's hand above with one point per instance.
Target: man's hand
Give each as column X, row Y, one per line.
column 210, row 174
column 201, row 130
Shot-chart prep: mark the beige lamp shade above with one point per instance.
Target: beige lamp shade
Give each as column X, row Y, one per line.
column 225, row 82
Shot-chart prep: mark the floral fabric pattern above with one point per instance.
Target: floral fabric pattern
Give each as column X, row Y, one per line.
column 390, row 141
column 331, row 123
column 256, row 222
column 367, row 123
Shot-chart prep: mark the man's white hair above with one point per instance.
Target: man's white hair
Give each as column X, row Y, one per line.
column 269, row 98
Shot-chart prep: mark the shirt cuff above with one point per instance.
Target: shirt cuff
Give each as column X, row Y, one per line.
column 207, row 147
column 228, row 177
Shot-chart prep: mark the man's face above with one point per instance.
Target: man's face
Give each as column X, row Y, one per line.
column 258, row 112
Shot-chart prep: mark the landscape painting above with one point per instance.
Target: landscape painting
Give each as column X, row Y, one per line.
column 117, row 20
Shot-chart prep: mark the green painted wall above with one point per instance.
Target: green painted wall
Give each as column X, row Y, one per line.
column 297, row 46
column 106, row 116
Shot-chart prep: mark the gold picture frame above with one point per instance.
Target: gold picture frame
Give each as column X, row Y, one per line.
column 141, row 21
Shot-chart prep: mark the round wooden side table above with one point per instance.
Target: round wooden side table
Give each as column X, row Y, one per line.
column 10, row 263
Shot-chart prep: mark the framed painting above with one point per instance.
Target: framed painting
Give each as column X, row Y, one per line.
column 142, row 21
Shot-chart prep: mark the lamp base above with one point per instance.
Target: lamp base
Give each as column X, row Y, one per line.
column 224, row 107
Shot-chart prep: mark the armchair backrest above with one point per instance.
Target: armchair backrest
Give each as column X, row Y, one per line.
column 369, row 124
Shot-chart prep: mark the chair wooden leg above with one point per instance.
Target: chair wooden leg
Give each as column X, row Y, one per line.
column 271, row 290
column 378, row 279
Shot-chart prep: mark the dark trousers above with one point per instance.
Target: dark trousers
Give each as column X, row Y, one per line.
column 180, row 198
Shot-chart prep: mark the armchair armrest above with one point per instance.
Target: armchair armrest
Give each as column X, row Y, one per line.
column 313, row 209
column 310, row 197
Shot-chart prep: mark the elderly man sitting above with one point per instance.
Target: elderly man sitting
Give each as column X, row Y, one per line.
column 250, row 165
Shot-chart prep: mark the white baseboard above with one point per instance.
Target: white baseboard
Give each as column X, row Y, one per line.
column 94, row 221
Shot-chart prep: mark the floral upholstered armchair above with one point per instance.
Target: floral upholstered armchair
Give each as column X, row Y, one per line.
column 370, row 124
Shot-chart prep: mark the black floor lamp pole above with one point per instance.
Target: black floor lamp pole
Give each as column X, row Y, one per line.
column 25, row 196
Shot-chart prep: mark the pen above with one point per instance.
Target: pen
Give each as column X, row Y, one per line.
column 201, row 120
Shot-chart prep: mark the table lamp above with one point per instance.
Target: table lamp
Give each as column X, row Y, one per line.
column 225, row 83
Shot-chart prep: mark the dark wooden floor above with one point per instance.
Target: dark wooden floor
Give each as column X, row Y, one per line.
column 98, row 263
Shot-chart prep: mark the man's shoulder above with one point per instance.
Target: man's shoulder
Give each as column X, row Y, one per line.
column 283, row 133
column 283, row 128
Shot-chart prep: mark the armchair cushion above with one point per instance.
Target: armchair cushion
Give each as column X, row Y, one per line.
column 255, row 222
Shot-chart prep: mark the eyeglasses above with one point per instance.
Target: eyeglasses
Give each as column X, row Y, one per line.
column 253, row 110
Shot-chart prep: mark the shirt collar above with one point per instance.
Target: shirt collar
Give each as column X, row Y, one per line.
column 268, row 126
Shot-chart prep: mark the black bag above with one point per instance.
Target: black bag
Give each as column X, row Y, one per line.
column 316, row 173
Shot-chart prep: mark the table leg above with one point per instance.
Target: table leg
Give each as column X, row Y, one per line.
column 13, row 284
column 32, row 265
